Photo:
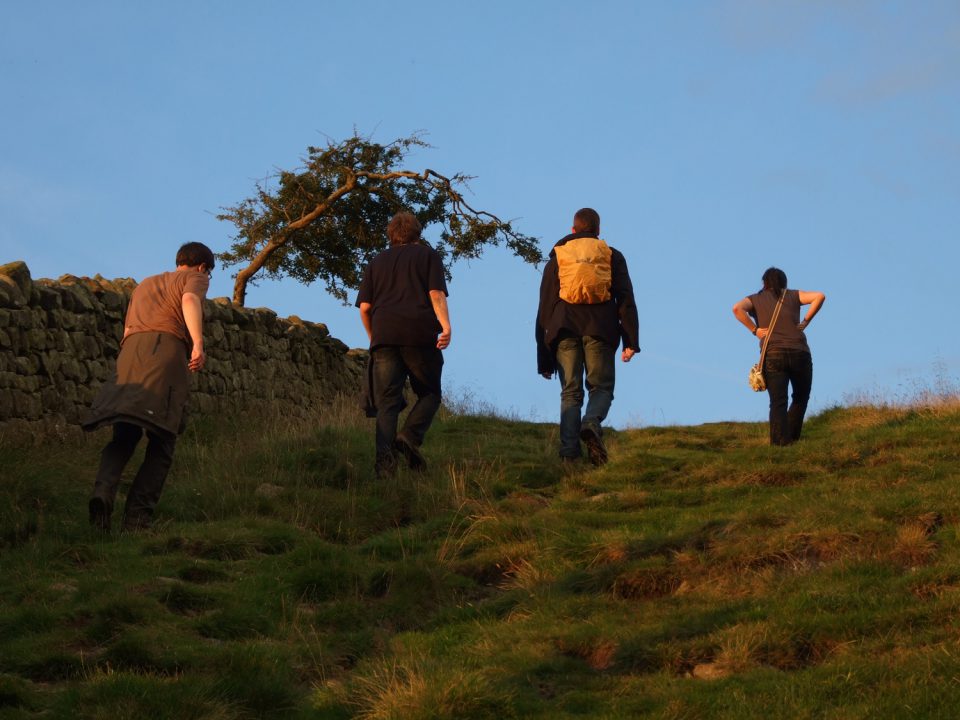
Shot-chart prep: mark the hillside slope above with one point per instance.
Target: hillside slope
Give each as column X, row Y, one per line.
column 701, row 574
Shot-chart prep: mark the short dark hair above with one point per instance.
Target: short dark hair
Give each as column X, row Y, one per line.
column 403, row 228
column 194, row 253
column 775, row 279
column 586, row 220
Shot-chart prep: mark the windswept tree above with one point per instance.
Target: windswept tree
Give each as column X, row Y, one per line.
column 326, row 219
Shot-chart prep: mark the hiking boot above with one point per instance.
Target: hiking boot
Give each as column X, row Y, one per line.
column 385, row 468
column 596, row 450
column 415, row 460
column 99, row 514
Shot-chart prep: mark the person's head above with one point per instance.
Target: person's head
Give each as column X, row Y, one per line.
column 587, row 220
column 775, row 279
column 403, row 228
column 194, row 254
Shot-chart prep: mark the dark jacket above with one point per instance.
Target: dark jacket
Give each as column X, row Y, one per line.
column 614, row 321
column 150, row 387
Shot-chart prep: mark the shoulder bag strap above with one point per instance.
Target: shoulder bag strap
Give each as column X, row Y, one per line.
column 776, row 314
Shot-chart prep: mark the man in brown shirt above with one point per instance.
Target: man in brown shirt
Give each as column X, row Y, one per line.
column 162, row 344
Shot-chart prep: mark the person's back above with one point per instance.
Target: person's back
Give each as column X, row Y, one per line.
column 787, row 362
column 403, row 307
column 157, row 303
column 579, row 339
column 398, row 283
column 162, row 343
column 786, row 335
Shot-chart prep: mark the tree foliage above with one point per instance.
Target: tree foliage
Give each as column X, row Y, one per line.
column 327, row 219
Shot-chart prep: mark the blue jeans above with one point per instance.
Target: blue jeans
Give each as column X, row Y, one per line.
column 576, row 356
column 782, row 369
column 392, row 365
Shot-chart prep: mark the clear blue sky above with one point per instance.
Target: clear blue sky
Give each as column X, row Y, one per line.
column 714, row 138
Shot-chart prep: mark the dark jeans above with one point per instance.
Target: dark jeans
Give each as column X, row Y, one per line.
column 148, row 482
column 392, row 365
column 783, row 368
column 577, row 356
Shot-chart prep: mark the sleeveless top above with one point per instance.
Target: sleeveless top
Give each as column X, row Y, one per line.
column 786, row 336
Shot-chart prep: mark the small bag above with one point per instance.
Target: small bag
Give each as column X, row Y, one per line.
column 755, row 377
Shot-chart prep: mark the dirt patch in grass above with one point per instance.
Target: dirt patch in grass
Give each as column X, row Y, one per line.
column 772, row 477
column 598, row 654
column 646, row 583
column 804, row 550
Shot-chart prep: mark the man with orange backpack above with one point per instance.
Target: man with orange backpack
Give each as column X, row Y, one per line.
column 586, row 310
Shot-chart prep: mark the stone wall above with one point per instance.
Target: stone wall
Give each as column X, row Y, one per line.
column 59, row 341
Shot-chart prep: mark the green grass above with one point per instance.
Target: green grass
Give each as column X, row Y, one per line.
column 700, row 574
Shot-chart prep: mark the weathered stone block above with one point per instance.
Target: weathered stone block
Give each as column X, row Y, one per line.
column 77, row 298
column 50, row 362
column 70, row 368
column 36, row 339
column 27, row 383
column 112, row 301
column 22, row 318
column 20, row 274
column 10, row 295
column 48, row 298
column 26, row 406
column 26, row 365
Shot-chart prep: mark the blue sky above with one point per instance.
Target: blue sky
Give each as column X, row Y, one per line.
column 714, row 138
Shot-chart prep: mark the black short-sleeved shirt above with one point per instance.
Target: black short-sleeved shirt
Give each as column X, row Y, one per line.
column 397, row 284
column 786, row 335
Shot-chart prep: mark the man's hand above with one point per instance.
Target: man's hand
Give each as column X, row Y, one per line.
column 627, row 354
column 198, row 358
column 443, row 339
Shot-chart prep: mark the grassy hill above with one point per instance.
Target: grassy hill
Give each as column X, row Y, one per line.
column 701, row 574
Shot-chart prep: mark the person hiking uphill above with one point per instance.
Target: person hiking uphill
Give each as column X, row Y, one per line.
column 162, row 344
column 788, row 362
column 586, row 310
column 403, row 307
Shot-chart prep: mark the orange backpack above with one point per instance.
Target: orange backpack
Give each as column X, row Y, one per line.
column 584, row 269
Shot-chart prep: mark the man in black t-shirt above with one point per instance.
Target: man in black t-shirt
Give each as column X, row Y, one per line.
column 403, row 306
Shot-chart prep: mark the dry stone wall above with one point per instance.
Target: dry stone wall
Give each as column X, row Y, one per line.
column 59, row 341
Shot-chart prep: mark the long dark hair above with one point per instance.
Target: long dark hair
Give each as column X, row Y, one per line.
column 774, row 280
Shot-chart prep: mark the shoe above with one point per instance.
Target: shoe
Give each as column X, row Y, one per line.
column 99, row 514
column 385, row 468
column 415, row 460
column 596, row 450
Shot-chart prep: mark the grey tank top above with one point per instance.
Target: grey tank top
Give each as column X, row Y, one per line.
column 786, row 335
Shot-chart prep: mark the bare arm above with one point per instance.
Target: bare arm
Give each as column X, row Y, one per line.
column 439, row 301
column 815, row 301
column 366, row 317
column 193, row 316
column 742, row 311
